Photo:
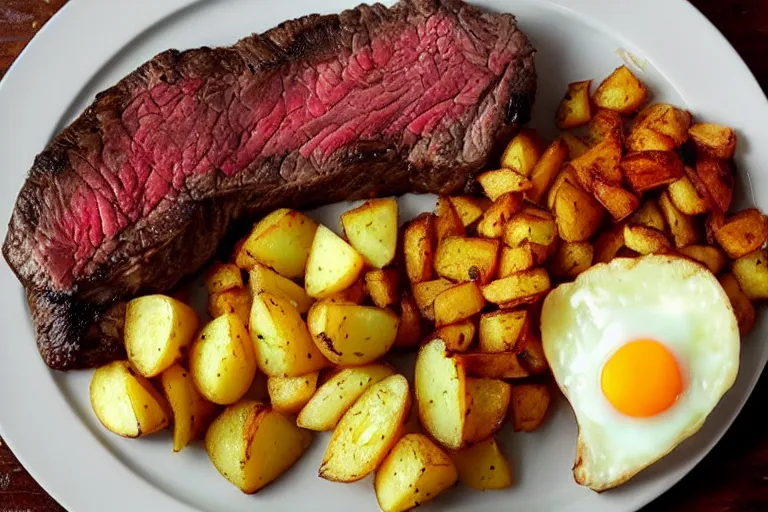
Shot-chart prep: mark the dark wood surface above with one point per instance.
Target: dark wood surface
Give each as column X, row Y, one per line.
column 732, row 478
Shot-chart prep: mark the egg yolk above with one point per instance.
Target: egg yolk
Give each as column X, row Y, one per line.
column 642, row 379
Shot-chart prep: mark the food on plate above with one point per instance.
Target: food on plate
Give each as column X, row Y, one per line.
column 606, row 124
column 383, row 286
column 531, row 226
column 742, row 233
column 289, row 395
column 575, row 108
column 496, row 365
column 500, row 330
column 621, row 91
column 470, row 208
column 648, row 170
column 483, row 466
column 620, row 203
column 333, row 265
column 711, row 257
column 357, row 293
column 251, row 444
column 410, row 328
column 649, row 215
column 660, row 320
column 262, row 279
column 608, row 244
column 501, row 181
column 572, row 258
column 157, row 329
column 716, row 177
column 419, row 242
column 447, row 223
column 191, row 412
column 521, row 285
column 372, row 229
column 687, row 197
column 546, row 169
column 742, row 306
column 493, row 221
column 661, row 127
column 645, row 240
column 426, row 292
column 751, row 271
column 599, row 161
column 487, row 405
column 222, row 277
column 576, row 145
column 714, row 140
column 367, row 431
column 236, row 300
column 682, row 227
column 577, row 213
column 125, row 402
column 522, row 152
column 529, row 406
column 457, row 337
column 458, row 303
column 467, row 259
column 415, row 472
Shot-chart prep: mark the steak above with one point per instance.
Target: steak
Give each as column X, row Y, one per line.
column 142, row 188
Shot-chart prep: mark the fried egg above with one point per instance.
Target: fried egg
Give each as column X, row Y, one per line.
column 643, row 349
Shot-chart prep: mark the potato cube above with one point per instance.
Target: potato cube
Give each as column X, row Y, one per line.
column 742, row 233
column 716, row 177
column 289, row 395
column 530, row 403
column 608, row 243
column 621, row 91
column 458, row 303
column 522, row 152
column 645, row 240
column 355, row 294
column 665, row 120
column 448, row 223
column 372, row 230
column 523, row 284
column 710, row 256
column 577, row 213
column 499, row 365
column 482, row 466
column 620, row 203
column 546, row 169
column 575, row 108
column 530, row 352
column 572, row 258
column 642, row 138
column 222, row 277
column 566, row 175
column 458, row 337
column 683, row 227
column 751, row 270
column 419, row 243
column 191, row 412
column 527, row 227
column 500, row 330
column 742, row 306
column 516, row 259
column 492, row 222
column 262, row 279
column 409, row 330
column 467, row 259
column 713, row 140
column 488, row 402
column 501, row 181
column 686, row 196
column 576, row 146
column 649, row 215
column 236, row 300
column 647, row 170
column 383, row 286
column 606, row 124
column 333, row 264
column 601, row 160
column 470, row 208
column 425, row 293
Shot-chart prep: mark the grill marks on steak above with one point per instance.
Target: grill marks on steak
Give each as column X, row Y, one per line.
column 141, row 188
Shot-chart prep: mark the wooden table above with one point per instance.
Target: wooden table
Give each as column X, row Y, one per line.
column 733, row 477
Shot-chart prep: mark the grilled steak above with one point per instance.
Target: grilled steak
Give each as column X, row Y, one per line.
column 139, row 191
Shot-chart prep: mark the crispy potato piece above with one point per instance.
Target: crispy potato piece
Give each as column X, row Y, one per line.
column 572, row 258
column 448, row 223
column 686, row 197
column 751, row 270
column 333, row 265
column 566, row 174
column 251, row 444
column 606, row 124
column 546, row 169
column 619, row 202
column 621, row 91
column 577, row 213
column 742, row 306
column 500, row 330
column 458, row 303
column 683, row 227
column 157, row 328
column 742, row 233
column 669, row 123
column 516, row 259
column 367, row 431
column 281, row 241
column 351, row 335
column 336, row 395
column 236, row 300
column 415, row 472
column 608, row 244
column 499, row 365
column 288, row 395
column 649, row 215
column 647, row 170
column 425, row 293
column 284, row 347
column 522, row 152
column 355, row 294
column 383, row 286
column 371, row 229
column 191, row 412
column 601, row 160
column 482, row 466
column 470, row 208
column 409, row 330
column 523, row 284
column 222, row 277
column 501, row 181
column 492, row 222
column 575, row 108
column 530, row 403
column 576, row 146
column 125, row 402
column 488, row 401
column 710, row 256
column 262, row 279
column 713, row 140
column 641, row 138
column 528, row 227
column 458, row 337
column 467, row 259
column 530, row 352
column 645, row 240
column 419, row 243
column 716, row 176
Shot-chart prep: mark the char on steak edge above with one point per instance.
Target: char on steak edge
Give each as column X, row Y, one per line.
column 140, row 190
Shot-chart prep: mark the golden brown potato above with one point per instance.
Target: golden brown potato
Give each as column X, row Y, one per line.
column 577, row 213
column 575, row 108
column 500, row 365
column 470, row 208
column 716, row 176
column 668, row 126
column 530, row 352
column 641, row 138
column 546, row 169
column 222, row 277
column 288, row 395
column 463, row 259
column 647, row 170
column 332, row 399
column 606, row 124
column 608, row 243
column 355, row 294
column 682, row 227
column 649, row 215
column 419, row 243
column 621, row 91
column 415, row 472
column 742, row 306
column 333, row 265
column 448, row 223
column 522, row 152
column 576, row 146
column 601, row 160
column 372, row 230
column 645, row 240
column 751, row 270
column 409, row 330
column 458, row 303
column 516, row 259
column 441, row 394
column 281, row 241
column 251, row 445
column 236, row 300
column 530, row 403
column 488, row 402
column 686, row 197
column 572, row 258
column 713, row 140
column 262, row 279
column 367, row 431
column 566, row 174
column 191, row 412
column 527, row 227
column 424, row 294
column 500, row 330
column 457, row 337
column 284, row 347
column 523, row 284
column 125, row 402
column 157, row 328
column 742, row 233
column 710, row 256
column 383, row 286
column 619, row 202
column 501, row 181
column 482, row 466
column 492, row 222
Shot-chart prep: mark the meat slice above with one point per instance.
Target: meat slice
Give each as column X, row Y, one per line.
column 142, row 188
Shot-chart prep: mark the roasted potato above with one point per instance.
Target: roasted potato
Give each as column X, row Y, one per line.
column 530, row 403
column 621, row 91
column 619, row 202
column 281, row 241
column 606, row 124
column 458, row 303
column 683, row 227
column 501, row 181
column 713, row 140
column 157, row 329
column 566, row 174
column 516, row 259
column 251, row 444
column 469, row 208
column 191, row 412
column 463, row 259
column 522, row 284
column 262, row 279
column 751, row 271
column 288, row 395
column 482, row 466
column 415, row 472
column 367, row 431
column 546, row 169
column 351, row 335
column 458, row 337
column 709, row 256
column 372, row 230
column 608, row 243
column 577, row 213
column 333, row 265
column 572, row 258
column 409, row 330
column 125, row 402
column 649, row 215
column 742, row 233
column 441, row 394
column 530, row 352
column 331, row 400
column 601, row 160
column 661, row 127
column 222, row 277
column 645, row 240
column 576, row 146
column 424, row 294
column 500, row 365
column 491, row 224
column 742, row 306
column 686, row 195
column 526, row 227
column 575, row 108
column 716, row 177
column 488, row 402
column 419, row 241
column 500, row 330
column 236, row 300
column 522, row 153
column 647, row 170
column 448, row 223
column 383, row 286
column 355, row 294
column 284, row 347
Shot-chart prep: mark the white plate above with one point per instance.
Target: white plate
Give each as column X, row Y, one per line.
column 45, row 416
